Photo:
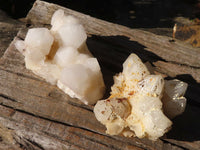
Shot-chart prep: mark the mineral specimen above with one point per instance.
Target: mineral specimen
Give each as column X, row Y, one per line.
column 60, row 56
column 135, row 106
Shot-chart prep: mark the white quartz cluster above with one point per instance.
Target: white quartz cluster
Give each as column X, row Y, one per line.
column 60, row 56
column 135, row 106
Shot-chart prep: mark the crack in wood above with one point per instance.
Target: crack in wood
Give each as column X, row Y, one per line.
column 48, row 119
column 8, row 98
column 181, row 147
column 35, row 144
column 139, row 145
column 25, row 143
column 71, row 143
column 19, row 143
column 176, row 63
column 22, row 75
column 96, row 141
column 80, row 106
column 65, row 124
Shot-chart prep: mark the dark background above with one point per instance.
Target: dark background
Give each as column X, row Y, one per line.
column 132, row 13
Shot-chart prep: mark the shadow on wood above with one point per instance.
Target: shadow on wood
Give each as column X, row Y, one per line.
column 186, row 126
column 112, row 51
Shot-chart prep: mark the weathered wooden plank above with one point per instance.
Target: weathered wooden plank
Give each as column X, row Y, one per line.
column 37, row 110
column 160, row 45
column 175, row 69
column 39, row 98
column 49, row 134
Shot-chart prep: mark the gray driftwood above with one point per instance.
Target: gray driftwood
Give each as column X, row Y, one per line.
column 37, row 115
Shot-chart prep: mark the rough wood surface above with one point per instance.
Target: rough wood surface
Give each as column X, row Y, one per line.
column 37, row 115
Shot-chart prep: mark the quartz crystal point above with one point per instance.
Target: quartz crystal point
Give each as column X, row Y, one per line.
column 174, row 102
column 135, row 106
column 60, row 56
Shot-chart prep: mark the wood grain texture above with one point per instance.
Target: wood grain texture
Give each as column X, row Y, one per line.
column 40, row 116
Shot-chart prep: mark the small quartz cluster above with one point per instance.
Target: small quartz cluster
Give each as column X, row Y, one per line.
column 135, row 106
column 60, row 56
